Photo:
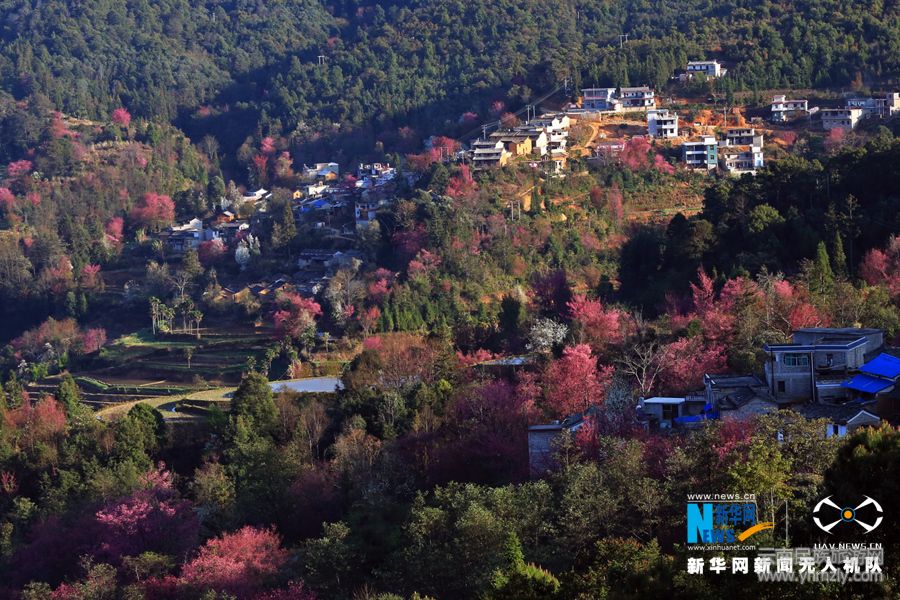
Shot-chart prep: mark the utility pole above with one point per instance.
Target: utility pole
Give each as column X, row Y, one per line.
column 321, row 59
column 623, row 37
column 484, row 129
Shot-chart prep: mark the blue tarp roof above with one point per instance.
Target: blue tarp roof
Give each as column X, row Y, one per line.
column 865, row 383
column 883, row 365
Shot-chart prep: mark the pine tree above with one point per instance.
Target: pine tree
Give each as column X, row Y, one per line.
column 838, row 258
column 821, row 276
column 68, row 394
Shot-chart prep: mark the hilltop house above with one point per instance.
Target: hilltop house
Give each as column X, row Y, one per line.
column 883, row 105
column 602, row 99
column 538, row 136
column 516, row 143
column 816, row 363
column 637, row 98
column 784, row 109
column 181, row 238
column 542, row 439
column 741, row 151
column 662, row 123
column 877, row 382
column 726, row 396
column 329, row 171
column 841, row 419
column 703, row 154
column 707, row 68
column 489, row 153
column 841, row 118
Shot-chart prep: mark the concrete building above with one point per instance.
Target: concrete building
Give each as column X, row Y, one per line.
column 600, row 99
column 841, row 118
column 741, row 151
column 816, row 363
column 708, row 68
column 784, row 110
column 703, row 154
column 542, row 440
column 490, row 153
column 662, row 124
column 841, row 419
column 637, row 98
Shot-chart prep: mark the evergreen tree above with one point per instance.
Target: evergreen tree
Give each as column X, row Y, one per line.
column 253, row 401
column 838, row 257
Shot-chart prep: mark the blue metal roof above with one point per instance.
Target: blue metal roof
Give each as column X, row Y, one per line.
column 883, row 365
column 865, row 383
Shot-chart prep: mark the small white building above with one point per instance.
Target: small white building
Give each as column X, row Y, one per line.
column 708, row 68
column 784, row 109
column 662, row 124
column 637, row 98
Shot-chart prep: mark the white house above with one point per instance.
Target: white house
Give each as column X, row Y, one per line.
column 662, row 123
column 783, row 109
column 637, row 98
column 708, row 68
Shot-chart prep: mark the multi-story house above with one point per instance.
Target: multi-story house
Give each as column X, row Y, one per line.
column 637, row 98
column 703, row 154
column 604, row 99
column 538, row 136
column 490, row 153
column 708, row 68
column 516, row 143
column 662, row 123
column 181, row 238
column 784, row 109
column 816, row 363
column 882, row 105
column 741, row 151
column 841, row 118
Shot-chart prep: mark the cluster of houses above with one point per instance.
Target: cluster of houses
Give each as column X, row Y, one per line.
column 315, row 269
column 739, row 152
column 856, row 109
column 841, row 375
column 544, row 138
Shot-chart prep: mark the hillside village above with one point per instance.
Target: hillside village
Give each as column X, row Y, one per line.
column 382, row 350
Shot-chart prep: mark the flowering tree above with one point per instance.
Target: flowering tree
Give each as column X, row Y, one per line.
column 461, row 185
column 211, row 252
column 152, row 519
column 574, row 383
column 7, row 199
column 91, row 279
column 121, row 117
column 546, row 334
column 31, row 424
column 114, row 230
column 296, row 317
column 594, row 324
column 238, row 563
column 686, row 360
column 154, row 211
column 882, row 267
column 18, row 169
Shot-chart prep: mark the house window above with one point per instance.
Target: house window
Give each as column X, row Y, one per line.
column 781, row 387
column 796, row 360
